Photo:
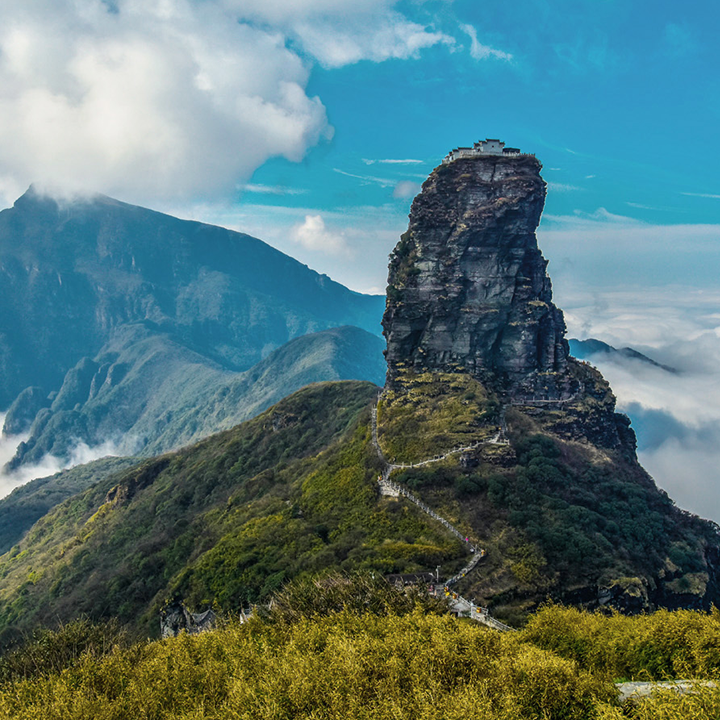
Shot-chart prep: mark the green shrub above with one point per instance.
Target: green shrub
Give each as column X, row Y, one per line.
column 48, row 651
column 660, row 646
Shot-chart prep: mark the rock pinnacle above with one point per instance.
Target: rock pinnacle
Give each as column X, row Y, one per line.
column 468, row 289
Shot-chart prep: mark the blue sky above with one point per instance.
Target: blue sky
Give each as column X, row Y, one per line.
column 312, row 123
column 280, row 117
column 619, row 100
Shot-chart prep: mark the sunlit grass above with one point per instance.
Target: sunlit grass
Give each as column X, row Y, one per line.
column 354, row 648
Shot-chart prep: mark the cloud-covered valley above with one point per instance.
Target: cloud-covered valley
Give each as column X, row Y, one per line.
column 80, row 454
column 675, row 415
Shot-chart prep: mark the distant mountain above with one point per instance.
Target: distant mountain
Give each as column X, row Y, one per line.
column 586, row 349
column 130, row 311
column 150, row 394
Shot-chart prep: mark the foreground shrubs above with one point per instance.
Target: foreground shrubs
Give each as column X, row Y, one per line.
column 48, row 651
column 353, row 648
column 340, row 666
column 660, row 646
column 359, row 594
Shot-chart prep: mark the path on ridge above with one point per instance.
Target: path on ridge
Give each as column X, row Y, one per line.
column 387, row 487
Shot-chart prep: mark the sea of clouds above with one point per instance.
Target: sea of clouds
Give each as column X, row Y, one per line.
column 675, row 415
column 80, row 454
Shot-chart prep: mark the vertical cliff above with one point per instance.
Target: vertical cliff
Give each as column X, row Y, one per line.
column 468, row 288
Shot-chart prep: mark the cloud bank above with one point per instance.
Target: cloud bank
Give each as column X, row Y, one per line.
column 156, row 99
column 676, row 416
column 80, row 454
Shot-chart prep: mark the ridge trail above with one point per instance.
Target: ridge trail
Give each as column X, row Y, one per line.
column 387, row 487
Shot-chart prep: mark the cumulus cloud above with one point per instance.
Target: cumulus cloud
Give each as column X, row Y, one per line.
column 80, row 454
column 156, row 99
column 313, row 235
column 164, row 98
column 387, row 35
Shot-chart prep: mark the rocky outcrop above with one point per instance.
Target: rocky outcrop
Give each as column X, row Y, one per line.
column 469, row 299
column 23, row 411
column 468, row 288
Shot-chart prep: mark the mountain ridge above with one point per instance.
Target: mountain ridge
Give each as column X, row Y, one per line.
column 83, row 279
column 528, row 461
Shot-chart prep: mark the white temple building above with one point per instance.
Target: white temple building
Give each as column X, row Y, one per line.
column 489, row 146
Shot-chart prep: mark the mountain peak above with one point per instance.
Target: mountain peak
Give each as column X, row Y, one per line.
column 468, row 288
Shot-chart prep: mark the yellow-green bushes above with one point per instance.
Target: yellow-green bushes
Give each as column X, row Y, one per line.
column 339, row 666
column 659, row 646
column 355, row 649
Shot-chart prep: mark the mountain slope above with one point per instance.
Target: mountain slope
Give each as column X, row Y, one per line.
column 82, row 282
column 25, row 505
column 149, row 394
column 294, row 491
column 289, row 492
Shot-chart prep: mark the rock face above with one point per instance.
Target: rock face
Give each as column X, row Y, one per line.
column 468, row 287
column 469, row 302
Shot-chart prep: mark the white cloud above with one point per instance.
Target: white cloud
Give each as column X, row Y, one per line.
column 367, row 179
column 157, row 99
column 161, row 98
column 562, row 187
column 480, row 51
column 80, row 454
column 313, row 235
column 369, row 232
column 603, row 250
column 377, row 36
column 406, row 189
column 272, row 189
column 689, row 471
column 342, row 32
column 677, row 416
column 393, row 162
column 702, row 195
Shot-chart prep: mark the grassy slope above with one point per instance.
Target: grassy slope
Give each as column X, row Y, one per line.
column 290, row 492
column 25, row 505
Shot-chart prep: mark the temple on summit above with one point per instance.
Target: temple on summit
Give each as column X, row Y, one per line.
column 488, row 146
